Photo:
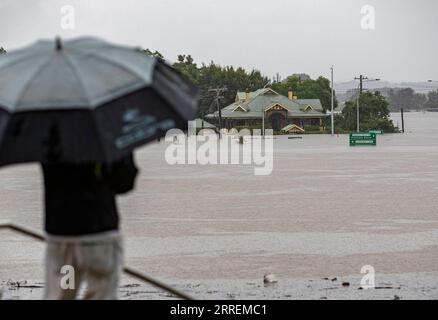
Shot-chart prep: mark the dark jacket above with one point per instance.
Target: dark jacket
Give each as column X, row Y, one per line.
column 80, row 198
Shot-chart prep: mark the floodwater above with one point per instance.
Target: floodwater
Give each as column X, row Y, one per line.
column 326, row 211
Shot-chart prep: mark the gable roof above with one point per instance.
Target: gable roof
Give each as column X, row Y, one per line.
column 266, row 98
column 293, row 128
column 276, row 106
column 314, row 103
column 308, row 108
column 239, row 107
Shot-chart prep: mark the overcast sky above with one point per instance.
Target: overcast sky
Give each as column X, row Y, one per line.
column 284, row 36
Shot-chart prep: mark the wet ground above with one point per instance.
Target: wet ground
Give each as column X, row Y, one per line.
column 214, row 231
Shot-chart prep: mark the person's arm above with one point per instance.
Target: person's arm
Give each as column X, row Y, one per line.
column 123, row 174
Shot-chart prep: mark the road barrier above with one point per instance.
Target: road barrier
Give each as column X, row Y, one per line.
column 363, row 139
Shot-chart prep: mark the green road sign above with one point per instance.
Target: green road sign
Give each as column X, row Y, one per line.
column 363, row 139
column 376, row 131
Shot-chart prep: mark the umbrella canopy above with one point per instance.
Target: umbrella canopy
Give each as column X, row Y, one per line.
column 86, row 100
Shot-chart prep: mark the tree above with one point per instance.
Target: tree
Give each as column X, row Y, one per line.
column 418, row 101
column 432, row 99
column 373, row 112
column 405, row 98
column 2, row 50
column 187, row 67
column 306, row 88
column 213, row 75
column 155, row 54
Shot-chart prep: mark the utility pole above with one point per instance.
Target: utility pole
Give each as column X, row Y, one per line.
column 218, row 95
column 402, row 120
column 263, row 123
column 361, row 79
column 333, row 102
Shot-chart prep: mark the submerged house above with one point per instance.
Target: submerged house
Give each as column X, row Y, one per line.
column 278, row 111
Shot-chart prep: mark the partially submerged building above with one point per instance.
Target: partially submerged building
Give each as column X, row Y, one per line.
column 278, row 111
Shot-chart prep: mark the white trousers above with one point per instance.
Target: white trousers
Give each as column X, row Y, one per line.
column 83, row 267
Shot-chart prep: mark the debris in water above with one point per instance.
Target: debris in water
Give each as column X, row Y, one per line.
column 269, row 279
column 130, row 285
column 345, row 284
column 22, row 284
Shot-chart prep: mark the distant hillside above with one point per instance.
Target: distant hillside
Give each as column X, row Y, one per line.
column 345, row 89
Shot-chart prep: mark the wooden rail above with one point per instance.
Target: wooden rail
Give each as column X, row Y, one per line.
column 129, row 271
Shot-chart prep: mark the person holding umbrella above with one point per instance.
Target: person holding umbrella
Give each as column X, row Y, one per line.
column 80, row 108
column 82, row 225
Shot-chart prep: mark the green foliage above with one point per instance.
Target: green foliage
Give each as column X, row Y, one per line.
column 188, row 68
column 2, row 50
column 155, row 54
column 213, row 75
column 432, row 99
column 405, row 98
column 306, row 88
column 373, row 112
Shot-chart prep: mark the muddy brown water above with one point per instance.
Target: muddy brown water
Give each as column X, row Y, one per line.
column 326, row 210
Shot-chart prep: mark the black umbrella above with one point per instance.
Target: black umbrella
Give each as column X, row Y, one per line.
column 86, row 100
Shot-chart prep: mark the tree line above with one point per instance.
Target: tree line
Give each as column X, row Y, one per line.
column 406, row 98
column 212, row 75
column 374, row 106
column 374, row 113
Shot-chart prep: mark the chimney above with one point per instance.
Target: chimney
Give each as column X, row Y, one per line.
column 290, row 94
column 247, row 94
